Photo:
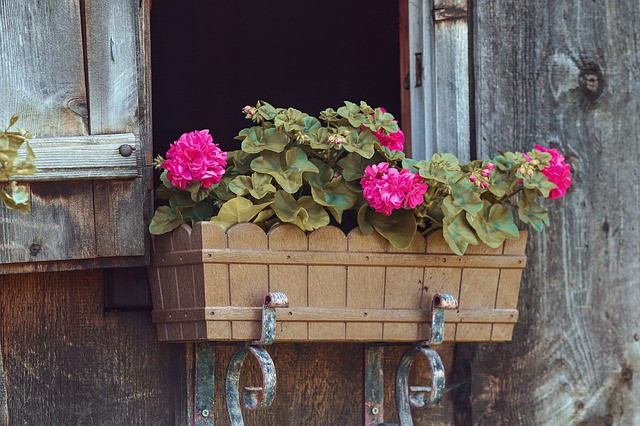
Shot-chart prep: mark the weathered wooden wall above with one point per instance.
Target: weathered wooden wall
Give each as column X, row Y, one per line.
column 565, row 74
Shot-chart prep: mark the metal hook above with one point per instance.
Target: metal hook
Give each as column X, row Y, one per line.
column 418, row 396
column 253, row 397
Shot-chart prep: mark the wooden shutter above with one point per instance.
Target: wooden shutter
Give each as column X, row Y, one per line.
column 439, row 78
column 76, row 72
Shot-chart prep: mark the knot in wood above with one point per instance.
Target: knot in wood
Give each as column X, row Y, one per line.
column 125, row 150
column 627, row 374
column 591, row 80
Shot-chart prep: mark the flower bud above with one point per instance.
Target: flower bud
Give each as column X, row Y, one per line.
column 472, row 178
column 490, row 166
column 485, row 185
column 486, row 173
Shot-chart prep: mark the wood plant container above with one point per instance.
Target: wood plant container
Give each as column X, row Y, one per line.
column 209, row 285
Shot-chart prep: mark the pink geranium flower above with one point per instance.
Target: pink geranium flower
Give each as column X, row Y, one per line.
column 387, row 189
column 558, row 172
column 393, row 141
column 195, row 158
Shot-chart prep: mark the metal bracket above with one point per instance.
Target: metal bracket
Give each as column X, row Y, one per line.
column 439, row 303
column 271, row 302
column 253, row 398
column 407, row 396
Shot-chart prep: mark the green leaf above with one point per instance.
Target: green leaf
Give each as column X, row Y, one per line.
column 198, row 212
column 538, row 182
column 237, row 210
column 363, row 145
column 398, row 228
column 165, row 220
column 386, row 121
column 258, row 185
column 198, row 193
column 499, row 188
column 263, row 216
column 458, row 233
column 18, row 199
column 353, row 166
column 256, row 139
column 287, row 168
column 320, row 139
column 531, row 212
column 267, row 111
column 390, row 155
column 494, row 224
column 290, row 120
column 222, row 190
column 352, row 113
column 365, row 227
column 304, row 213
column 332, row 193
column 467, row 196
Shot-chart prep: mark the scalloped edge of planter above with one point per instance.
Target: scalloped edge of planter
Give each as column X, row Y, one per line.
column 208, row 285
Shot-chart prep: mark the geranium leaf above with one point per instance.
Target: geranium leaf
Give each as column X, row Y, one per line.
column 258, row 185
column 353, row 166
column 467, row 196
column 237, row 210
column 398, row 228
column 363, row 145
column 458, row 233
column 531, row 212
column 256, row 139
column 287, row 168
column 494, row 224
column 165, row 220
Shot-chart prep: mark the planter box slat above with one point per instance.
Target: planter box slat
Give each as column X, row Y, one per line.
column 317, row 314
column 209, row 285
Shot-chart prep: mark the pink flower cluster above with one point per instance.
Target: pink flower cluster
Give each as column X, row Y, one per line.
column 387, row 189
column 485, row 173
column 195, row 158
column 558, row 172
column 393, row 141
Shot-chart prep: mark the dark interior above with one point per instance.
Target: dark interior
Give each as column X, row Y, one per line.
column 210, row 58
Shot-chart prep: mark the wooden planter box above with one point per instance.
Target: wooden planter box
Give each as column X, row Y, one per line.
column 209, row 285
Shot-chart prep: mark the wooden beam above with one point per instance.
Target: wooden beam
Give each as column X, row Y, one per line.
column 85, row 157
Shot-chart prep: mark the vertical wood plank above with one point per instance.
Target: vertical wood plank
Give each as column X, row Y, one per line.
column 452, row 79
column 248, row 283
column 365, row 285
column 42, row 67
column 215, row 292
column 68, row 362
column 289, row 279
column 477, row 291
column 404, row 288
column 185, row 283
column 43, row 80
column 557, row 74
column 112, row 30
column 422, row 93
column 327, row 284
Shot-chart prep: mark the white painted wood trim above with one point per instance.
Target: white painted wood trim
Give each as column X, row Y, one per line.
column 85, row 157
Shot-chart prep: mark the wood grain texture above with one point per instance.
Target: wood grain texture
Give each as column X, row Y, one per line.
column 452, row 87
column 85, row 157
column 114, row 32
column 327, row 284
column 42, row 70
column 67, row 362
column 563, row 74
column 354, row 288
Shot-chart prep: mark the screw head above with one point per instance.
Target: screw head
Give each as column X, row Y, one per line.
column 125, row 150
column 34, row 249
column 375, row 411
column 205, row 413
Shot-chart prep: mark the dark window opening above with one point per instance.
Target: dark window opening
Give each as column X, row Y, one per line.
column 209, row 59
